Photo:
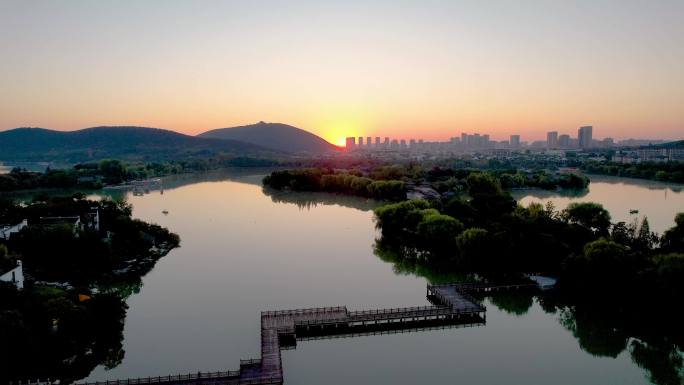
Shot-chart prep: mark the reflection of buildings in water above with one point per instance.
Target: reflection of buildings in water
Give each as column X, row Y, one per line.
column 142, row 187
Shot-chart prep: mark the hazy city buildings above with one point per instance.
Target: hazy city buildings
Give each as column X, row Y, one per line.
column 350, row 143
column 515, row 141
column 552, row 139
column 482, row 143
column 584, row 136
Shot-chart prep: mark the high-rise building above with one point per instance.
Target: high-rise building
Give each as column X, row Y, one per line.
column 403, row 143
column 564, row 141
column 515, row 141
column 584, row 136
column 350, row 143
column 552, row 139
column 412, row 143
column 360, row 141
column 368, row 141
column 377, row 142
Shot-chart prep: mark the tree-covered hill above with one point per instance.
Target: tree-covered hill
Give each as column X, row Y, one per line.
column 276, row 136
column 130, row 143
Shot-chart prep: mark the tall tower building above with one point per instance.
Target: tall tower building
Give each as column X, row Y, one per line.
column 552, row 139
column 564, row 141
column 368, row 141
column 360, row 141
column 584, row 136
column 515, row 141
column 377, row 142
column 350, row 143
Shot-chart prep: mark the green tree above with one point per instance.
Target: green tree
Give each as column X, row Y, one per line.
column 437, row 232
column 488, row 198
column 473, row 245
column 673, row 239
column 590, row 215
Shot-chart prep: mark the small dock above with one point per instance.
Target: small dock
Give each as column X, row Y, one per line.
column 452, row 306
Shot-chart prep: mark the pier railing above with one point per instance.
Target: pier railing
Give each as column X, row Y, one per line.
column 225, row 378
column 275, row 313
column 456, row 306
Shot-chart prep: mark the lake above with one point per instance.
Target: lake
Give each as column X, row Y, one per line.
column 245, row 250
column 659, row 202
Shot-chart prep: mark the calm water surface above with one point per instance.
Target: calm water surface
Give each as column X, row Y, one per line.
column 657, row 201
column 244, row 251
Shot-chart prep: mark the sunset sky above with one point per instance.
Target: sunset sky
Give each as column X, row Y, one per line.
column 421, row 69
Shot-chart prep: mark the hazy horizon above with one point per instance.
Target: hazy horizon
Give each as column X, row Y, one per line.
column 504, row 136
column 401, row 69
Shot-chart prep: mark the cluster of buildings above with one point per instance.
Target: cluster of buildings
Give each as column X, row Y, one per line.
column 649, row 155
column 584, row 140
column 467, row 142
column 14, row 274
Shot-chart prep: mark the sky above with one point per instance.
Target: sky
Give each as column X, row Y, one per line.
column 404, row 69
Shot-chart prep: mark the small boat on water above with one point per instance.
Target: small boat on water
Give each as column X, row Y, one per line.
column 165, row 212
column 633, row 211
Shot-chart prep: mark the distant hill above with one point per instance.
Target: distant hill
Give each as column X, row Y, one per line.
column 129, row 143
column 277, row 136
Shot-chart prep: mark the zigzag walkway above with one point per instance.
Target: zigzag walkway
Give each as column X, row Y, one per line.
column 452, row 306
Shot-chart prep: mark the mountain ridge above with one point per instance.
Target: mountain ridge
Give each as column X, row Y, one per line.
column 121, row 142
column 277, row 136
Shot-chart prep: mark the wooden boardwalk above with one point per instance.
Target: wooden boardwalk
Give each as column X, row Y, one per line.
column 453, row 306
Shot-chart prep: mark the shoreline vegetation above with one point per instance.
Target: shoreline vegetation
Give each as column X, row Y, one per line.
column 81, row 260
column 399, row 182
column 112, row 173
column 658, row 171
column 609, row 275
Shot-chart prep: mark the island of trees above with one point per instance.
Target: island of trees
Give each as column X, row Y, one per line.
column 81, row 259
column 609, row 274
column 660, row 171
column 394, row 182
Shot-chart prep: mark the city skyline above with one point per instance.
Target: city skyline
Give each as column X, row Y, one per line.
column 338, row 70
column 583, row 139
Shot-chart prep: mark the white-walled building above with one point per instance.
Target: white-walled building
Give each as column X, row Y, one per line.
column 15, row 276
column 7, row 230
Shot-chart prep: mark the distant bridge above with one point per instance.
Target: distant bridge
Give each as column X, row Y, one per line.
column 452, row 306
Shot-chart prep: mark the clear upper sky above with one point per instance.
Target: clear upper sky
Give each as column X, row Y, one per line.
column 427, row 69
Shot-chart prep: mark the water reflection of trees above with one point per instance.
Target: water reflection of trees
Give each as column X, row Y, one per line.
column 601, row 329
column 548, row 194
column 309, row 200
column 646, row 183
column 63, row 334
column 47, row 335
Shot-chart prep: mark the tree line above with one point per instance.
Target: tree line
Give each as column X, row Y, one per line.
column 660, row 171
column 353, row 183
column 59, row 326
column 95, row 175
